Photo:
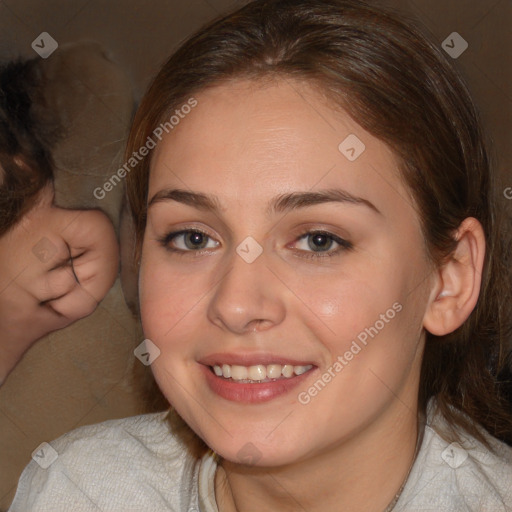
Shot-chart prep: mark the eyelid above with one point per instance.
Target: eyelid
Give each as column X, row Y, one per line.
column 166, row 239
column 343, row 244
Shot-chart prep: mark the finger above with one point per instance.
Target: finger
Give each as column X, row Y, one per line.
column 76, row 304
column 54, row 284
column 93, row 244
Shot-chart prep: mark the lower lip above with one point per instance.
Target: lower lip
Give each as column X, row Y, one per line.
column 251, row 393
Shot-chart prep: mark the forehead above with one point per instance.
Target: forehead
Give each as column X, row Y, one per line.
column 245, row 140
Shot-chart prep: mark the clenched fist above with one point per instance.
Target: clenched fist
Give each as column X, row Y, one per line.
column 56, row 265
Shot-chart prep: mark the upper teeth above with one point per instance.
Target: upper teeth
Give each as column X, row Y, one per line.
column 259, row 372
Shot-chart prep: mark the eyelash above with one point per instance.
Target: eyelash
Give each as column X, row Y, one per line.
column 344, row 245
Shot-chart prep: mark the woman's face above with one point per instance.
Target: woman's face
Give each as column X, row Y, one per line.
column 312, row 302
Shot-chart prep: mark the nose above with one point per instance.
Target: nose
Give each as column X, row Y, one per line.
column 248, row 297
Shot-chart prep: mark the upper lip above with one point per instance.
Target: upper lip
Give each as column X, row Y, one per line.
column 250, row 359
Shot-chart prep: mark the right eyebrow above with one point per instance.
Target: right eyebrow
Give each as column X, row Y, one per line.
column 280, row 203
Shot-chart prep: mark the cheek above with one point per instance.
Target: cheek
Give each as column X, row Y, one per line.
column 160, row 304
column 344, row 306
column 167, row 302
column 364, row 320
column 383, row 352
column 170, row 300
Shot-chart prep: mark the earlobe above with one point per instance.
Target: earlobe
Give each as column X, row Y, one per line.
column 458, row 282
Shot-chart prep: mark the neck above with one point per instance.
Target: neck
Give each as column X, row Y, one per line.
column 360, row 474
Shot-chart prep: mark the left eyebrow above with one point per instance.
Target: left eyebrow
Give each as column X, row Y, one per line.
column 278, row 204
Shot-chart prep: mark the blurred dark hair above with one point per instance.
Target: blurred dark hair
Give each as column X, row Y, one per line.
column 27, row 132
column 398, row 86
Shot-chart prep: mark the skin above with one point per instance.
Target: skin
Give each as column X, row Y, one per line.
column 45, row 291
column 247, row 142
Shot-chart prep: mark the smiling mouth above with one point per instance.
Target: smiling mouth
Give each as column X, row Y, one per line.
column 259, row 373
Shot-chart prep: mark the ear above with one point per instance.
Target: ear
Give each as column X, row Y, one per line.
column 457, row 285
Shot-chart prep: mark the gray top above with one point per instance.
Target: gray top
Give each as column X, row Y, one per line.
column 136, row 464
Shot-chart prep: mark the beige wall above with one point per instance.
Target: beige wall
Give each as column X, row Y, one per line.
column 140, row 34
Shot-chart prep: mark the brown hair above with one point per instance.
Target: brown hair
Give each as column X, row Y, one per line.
column 28, row 130
column 399, row 87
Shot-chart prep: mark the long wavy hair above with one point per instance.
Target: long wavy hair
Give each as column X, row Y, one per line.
column 383, row 71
